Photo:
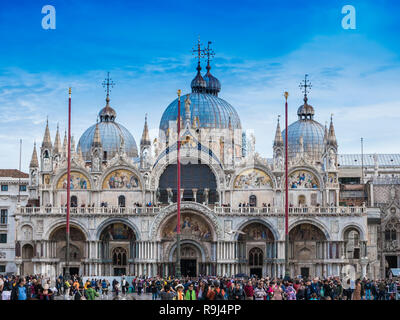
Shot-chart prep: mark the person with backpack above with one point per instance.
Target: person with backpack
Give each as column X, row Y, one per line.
column 21, row 290
column 215, row 292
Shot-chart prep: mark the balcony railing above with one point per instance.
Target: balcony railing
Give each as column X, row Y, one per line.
column 88, row 210
column 292, row 210
column 217, row 210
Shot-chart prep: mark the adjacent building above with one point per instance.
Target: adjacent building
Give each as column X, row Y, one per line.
column 13, row 193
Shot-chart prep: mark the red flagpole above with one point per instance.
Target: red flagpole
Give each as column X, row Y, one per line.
column 178, row 201
column 286, row 191
column 68, row 184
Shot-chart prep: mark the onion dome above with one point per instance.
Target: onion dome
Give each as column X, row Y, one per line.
column 305, row 111
column 198, row 83
column 213, row 85
column 107, row 113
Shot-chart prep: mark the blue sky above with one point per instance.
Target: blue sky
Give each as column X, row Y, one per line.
column 262, row 49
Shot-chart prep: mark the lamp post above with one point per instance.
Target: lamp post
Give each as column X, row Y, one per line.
column 178, row 195
column 67, row 275
column 286, row 94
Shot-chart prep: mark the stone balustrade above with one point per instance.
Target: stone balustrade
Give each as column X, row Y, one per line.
column 263, row 211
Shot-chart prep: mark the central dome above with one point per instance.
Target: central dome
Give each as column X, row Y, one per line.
column 206, row 108
column 211, row 111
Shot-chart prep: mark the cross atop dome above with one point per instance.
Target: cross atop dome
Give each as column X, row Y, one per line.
column 198, row 52
column 107, row 83
column 305, row 86
column 209, row 53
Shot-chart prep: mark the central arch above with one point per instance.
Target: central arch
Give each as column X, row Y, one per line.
column 307, row 248
column 117, row 247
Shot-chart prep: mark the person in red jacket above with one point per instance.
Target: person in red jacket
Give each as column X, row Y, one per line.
column 249, row 291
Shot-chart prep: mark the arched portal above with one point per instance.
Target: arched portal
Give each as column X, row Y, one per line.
column 307, row 244
column 27, row 255
column 117, row 248
column 198, row 183
column 257, row 250
column 191, row 260
column 77, row 247
column 197, row 236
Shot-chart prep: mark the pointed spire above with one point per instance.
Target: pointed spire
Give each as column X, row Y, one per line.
column 34, row 160
column 80, row 154
column 278, row 142
column 65, row 143
column 72, row 144
column 46, row 139
column 332, row 136
column 96, row 138
column 57, row 142
column 145, row 141
column 326, row 133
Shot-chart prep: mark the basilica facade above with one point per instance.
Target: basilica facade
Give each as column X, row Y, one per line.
column 123, row 198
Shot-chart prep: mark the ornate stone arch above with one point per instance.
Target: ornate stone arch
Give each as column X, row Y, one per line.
column 109, row 221
column 258, row 167
column 61, row 222
column 356, row 226
column 315, row 223
column 169, row 252
column 265, row 223
column 73, row 169
column 121, row 167
column 160, row 167
column 311, row 170
column 194, row 207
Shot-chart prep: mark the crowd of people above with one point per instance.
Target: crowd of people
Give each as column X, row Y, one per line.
column 38, row 287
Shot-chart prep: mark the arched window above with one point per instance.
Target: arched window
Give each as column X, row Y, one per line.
column 74, row 201
column 119, row 257
column 253, row 201
column 255, row 257
column 121, row 201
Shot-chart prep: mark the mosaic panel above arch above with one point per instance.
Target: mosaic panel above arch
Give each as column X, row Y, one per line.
column 256, row 232
column 252, row 179
column 121, row 179
column 302, row 179
column 192, row 227
column 78, row 181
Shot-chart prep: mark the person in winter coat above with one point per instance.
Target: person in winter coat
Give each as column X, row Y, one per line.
column 90, row 293
column 249, row 291
column 259, row 291
column 237, row 293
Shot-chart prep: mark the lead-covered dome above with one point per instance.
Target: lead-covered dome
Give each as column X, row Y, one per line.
column 113, row 136
column 207, row 110
column 305, row 135
column 211, row 111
